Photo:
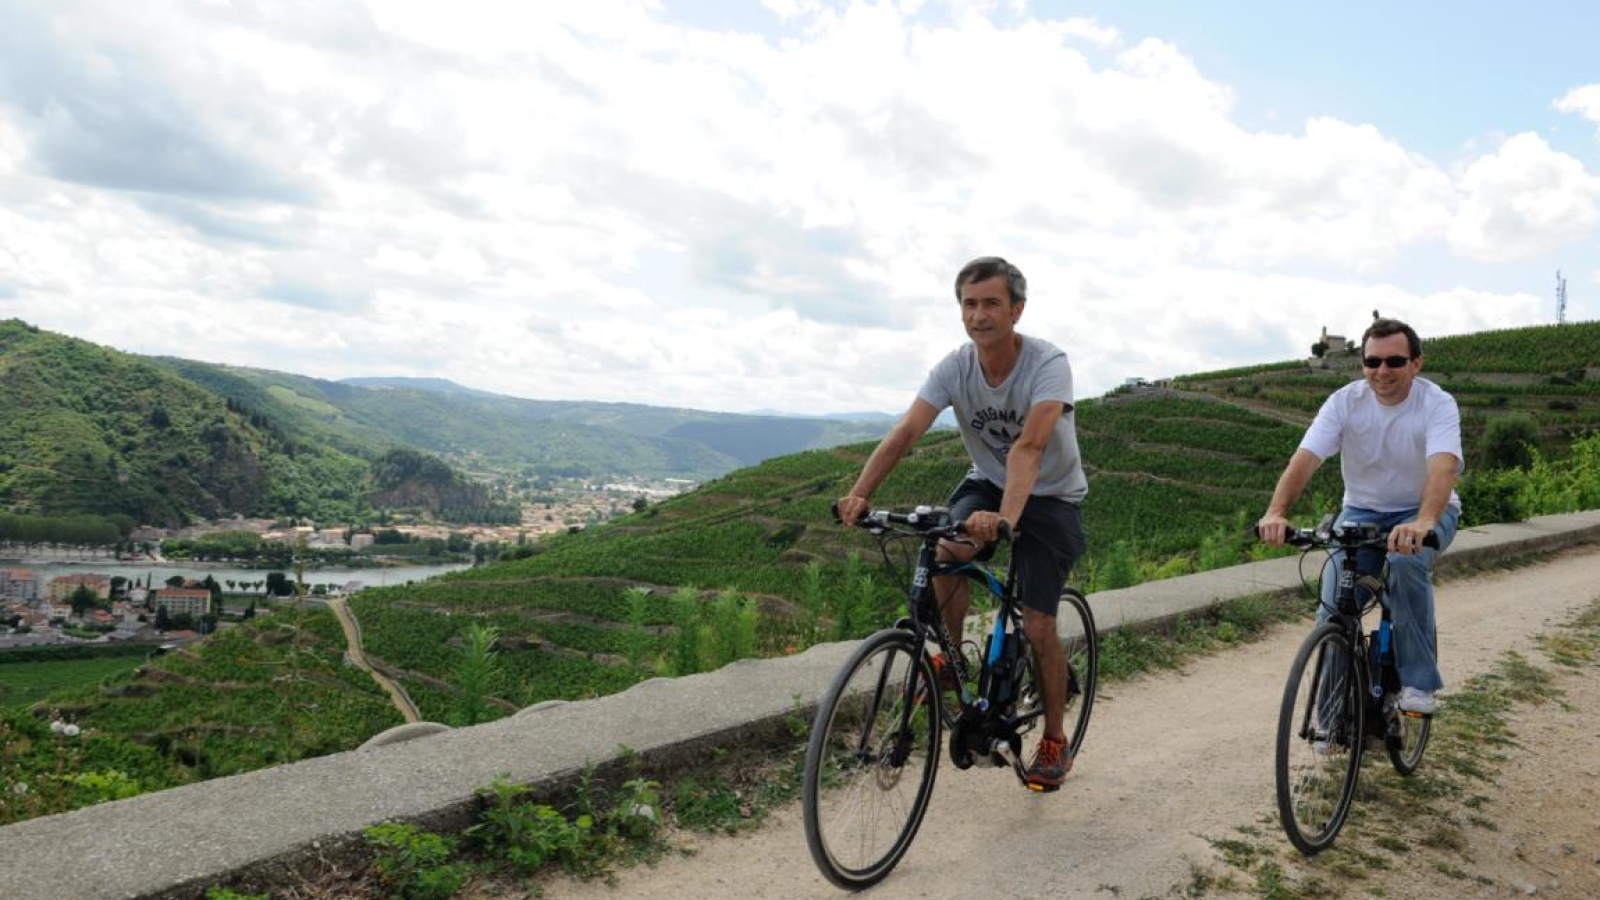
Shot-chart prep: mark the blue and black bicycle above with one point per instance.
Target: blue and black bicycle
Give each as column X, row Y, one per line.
column 875, row 743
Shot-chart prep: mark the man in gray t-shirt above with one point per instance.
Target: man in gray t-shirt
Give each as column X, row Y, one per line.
column 1012, row 397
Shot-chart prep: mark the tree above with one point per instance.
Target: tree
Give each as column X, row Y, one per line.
column 83, row 599
column 1319, row 349
column 175, row 581
column 1509, row 441
column 640, row 504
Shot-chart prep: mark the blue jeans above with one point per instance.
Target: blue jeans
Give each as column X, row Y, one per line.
column 1409, row 596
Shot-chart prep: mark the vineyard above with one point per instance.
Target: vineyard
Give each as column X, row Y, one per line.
column 254, row 696
column 750, row 564
column 1549, row 375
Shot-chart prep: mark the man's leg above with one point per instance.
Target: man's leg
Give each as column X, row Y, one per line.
column 1411, row 607
column 1047, row 652
column 1050, row 541
column 954, row 591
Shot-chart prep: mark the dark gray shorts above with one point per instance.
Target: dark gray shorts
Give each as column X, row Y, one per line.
column 1050, row 540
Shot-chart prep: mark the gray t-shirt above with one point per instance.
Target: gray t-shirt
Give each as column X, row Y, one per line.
column 991, row 418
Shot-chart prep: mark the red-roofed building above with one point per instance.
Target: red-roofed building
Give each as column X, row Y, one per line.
column 62, row 587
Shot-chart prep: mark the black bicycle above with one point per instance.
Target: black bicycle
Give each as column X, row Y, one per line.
column 875, row 743
column 1343, row 688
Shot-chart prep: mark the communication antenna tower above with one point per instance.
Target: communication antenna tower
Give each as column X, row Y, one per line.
column 1561, row 299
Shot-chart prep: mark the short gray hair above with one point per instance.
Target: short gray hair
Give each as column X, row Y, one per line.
column 985, row 267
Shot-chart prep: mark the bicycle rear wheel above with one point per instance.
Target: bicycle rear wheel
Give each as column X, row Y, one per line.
column 1407, row 738
column 1081, row 646
column 871, row 761
column 1320, row 739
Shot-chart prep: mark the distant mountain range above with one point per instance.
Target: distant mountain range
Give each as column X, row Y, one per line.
column 549, row 437
column 88, row 429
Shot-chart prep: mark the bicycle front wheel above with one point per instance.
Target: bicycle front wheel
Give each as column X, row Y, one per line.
column 1320, row 739
column 1080, row 644
column 871, row 761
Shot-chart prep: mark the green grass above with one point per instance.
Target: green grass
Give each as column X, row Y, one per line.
column 24, row 683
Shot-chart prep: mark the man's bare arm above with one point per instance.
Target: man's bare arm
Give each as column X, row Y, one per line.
column 893, row 448
column 1442, row 469
column 1022, row 470
column 1274, row 525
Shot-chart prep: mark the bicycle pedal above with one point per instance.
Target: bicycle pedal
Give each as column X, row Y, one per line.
column 1415, row 715
column 1042, row 788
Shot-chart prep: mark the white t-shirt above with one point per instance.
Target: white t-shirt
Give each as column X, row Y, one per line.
column 1383, row 450
column 991, row 418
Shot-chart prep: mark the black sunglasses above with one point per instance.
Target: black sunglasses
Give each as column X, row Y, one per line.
column 1393, row 362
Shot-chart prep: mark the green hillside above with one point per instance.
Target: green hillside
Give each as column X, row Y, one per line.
column 84, row 429
column 1549, row 374
column 88, row 430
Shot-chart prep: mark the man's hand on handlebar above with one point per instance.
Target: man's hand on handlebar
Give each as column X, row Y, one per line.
column 850, row 509
column 984, row 526
column 1407, row 538
column 1273, row 529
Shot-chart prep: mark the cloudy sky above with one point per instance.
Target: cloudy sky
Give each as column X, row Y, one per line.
column 761, row 205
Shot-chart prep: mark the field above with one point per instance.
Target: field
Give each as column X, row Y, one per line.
column 23, row 683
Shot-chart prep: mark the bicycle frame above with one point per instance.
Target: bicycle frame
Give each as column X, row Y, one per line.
column 925, row 622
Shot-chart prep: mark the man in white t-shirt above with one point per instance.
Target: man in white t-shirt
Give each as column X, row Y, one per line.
column 1012, row 396
column 1399, row 441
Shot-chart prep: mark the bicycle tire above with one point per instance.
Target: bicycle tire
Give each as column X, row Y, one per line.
column 1081, row 647
column 1406, row 753
column 1407, row 746
column 1321, row 736
column 866, row 789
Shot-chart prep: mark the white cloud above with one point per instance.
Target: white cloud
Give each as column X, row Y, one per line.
column 1523, row 198
column 593, row 201
column 1584, row 101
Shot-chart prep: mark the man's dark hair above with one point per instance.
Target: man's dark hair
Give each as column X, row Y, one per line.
column 1382, row 328
column 986, row 267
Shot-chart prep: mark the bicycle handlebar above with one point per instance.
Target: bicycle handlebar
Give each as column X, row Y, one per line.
column 1346, row 534
column 934, row 520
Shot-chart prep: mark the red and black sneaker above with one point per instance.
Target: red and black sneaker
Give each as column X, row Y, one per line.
column 1051, row 763
column 946, row 675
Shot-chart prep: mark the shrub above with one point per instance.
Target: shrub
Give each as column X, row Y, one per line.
column 1508, row 442
column 413, row 864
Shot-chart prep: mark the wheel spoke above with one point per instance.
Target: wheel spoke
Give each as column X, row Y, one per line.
column 870, row 767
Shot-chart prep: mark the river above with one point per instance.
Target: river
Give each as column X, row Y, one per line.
column 158, row 573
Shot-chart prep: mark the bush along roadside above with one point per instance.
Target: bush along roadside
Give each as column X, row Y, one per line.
column 1416, row 827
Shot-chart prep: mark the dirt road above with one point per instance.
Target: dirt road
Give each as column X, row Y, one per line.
column 1171, row 759
column 352, row 636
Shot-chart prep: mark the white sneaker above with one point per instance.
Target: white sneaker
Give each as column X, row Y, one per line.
column 1420, row 702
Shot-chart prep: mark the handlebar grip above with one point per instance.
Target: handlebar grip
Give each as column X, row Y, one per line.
column 1004, row 532
column 1431, row 541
